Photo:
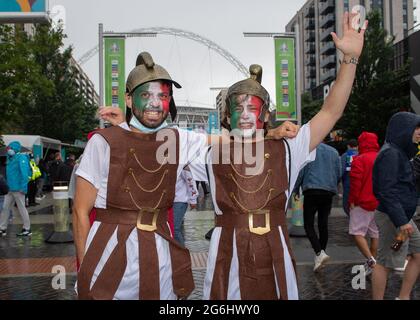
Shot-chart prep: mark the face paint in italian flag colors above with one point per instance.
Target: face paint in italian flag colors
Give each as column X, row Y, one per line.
column 245, row 112
column 151, row 103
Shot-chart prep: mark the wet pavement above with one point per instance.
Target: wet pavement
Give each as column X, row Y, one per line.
column 27, row 265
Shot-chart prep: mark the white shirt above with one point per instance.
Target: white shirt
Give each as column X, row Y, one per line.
column 94, row 166
column 186, row 189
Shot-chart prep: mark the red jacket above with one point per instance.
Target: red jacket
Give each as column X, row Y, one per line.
column 361, row 190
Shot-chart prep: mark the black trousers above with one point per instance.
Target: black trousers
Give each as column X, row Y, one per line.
column 32, row 191
column 317, row 201
column 203, row 185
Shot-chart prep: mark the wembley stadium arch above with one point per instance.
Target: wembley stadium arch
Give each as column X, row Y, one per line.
column 188, row 115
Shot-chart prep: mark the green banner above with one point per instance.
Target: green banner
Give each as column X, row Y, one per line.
column 115, row 72
column 285, row 78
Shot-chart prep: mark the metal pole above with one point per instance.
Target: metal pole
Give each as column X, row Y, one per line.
column 298, row 76
column 296, row 228
column 62, row 232
column 219, row 127
column 101, row 71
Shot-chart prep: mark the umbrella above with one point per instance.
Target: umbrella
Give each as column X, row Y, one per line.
column 3, row 150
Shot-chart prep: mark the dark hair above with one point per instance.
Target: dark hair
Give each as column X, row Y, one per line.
column 352, row 143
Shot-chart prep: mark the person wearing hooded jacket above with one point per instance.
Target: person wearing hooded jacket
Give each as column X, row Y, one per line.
column 362, row 201
column 18, row 173
column 394, row 187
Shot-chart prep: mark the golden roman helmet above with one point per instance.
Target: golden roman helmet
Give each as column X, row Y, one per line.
column 145, row 71
column 251, row 86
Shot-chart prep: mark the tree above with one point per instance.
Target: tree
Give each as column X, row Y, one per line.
column 19, row 74
column 63, row 112
column 378, row 91
column 309, row 107
column 39, row 91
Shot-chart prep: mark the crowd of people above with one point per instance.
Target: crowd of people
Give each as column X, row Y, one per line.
column 24, row 182
column 380, row 196
column 129, row 178
column 131, row 190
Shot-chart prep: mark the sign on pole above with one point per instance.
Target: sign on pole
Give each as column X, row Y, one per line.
column 213, row 122
column 115, row 72
column 21, row 11
column 285, row 78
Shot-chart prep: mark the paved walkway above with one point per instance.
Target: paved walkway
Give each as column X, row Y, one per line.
column 26, row 265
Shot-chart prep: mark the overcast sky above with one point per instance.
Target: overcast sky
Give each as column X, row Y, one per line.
column 192, row 64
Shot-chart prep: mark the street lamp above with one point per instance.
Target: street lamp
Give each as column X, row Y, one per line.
column 266, row 34
column 109, row 34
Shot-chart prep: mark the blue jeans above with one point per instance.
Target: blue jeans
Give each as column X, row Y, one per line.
column 179, row 212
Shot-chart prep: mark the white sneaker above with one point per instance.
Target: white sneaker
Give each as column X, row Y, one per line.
column 320, row 260
column 402, row 269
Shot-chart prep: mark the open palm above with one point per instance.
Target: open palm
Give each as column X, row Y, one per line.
column 351, row 44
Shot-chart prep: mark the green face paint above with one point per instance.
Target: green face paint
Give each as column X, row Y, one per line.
column 151, row 103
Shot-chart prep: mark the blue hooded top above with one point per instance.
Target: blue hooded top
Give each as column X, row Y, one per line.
column 393, row 177
column 18, row 170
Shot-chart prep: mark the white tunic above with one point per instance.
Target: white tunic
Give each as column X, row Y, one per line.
column 94, row 168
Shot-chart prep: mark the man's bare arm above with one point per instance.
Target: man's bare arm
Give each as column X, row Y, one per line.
column 286, row 130
column 84, row 201
column 351, row 44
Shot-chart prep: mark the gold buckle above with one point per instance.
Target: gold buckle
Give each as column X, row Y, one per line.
column 259, row 230
column 147, row 227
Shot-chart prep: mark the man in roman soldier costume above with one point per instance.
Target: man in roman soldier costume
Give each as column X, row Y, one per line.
column 128, row 173
column 250, row 255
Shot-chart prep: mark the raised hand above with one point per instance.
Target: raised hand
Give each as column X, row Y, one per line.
column 112, row 114
column 351, row 44
column 286, row 130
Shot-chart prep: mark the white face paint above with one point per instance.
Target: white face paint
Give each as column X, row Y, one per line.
column 247, row 122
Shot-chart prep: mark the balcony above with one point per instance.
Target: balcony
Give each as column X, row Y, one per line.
column 310, row 60
column 330, row 74
column 327, row 20
column 310, row 83
column 328, row 62
column 310, row 48
column 309, row 35
column 310, row 72
column 325, row 35
column 309, row 12
column 309, row 24
column 326, row 7
column 327, row 48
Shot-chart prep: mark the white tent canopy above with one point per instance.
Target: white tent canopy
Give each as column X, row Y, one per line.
column 28, row 141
